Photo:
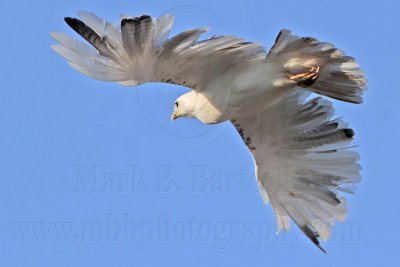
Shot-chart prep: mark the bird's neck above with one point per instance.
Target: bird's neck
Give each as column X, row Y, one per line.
column 206, row 111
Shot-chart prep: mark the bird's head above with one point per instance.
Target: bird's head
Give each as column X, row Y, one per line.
column 196, row 105
column 184, row 106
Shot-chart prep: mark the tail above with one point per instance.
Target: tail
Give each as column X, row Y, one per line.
column 319, row 67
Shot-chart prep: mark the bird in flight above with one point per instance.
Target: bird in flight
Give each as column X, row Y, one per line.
column 302, row 155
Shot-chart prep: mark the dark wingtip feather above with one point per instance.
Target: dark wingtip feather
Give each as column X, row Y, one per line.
column 348, row 132
column 136, row 20
column 312, row 236
column 145, row 17
column 68, row 19
column 129, row 20
column 73, row 22
column 88, row 34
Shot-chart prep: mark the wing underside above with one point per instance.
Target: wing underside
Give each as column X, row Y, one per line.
column 139, row 50
column 303, row 162
column 302, row 155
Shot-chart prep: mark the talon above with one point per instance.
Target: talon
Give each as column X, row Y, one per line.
column 306, row 79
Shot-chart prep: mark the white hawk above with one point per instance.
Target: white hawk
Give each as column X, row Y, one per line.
column 301, row 154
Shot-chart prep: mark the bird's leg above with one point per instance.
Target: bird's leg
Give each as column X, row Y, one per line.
column 305, row 79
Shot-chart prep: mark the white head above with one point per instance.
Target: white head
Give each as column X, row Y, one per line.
column 184, row 106
column 195, row 105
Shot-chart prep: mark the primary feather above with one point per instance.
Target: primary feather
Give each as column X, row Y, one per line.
column 303, row 161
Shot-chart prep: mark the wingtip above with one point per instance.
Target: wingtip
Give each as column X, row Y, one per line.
column 204, row 29
column 349, row 133
column 322, row 249
column 54, row 47
column 82, row 13
column 53, row 35
column 68, row 19
column 313, row 236
column 167, row 16
column 72, row 22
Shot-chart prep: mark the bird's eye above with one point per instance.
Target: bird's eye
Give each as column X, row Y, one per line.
column 176, row 104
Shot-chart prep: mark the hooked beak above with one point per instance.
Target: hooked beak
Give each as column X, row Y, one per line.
column 174, row 116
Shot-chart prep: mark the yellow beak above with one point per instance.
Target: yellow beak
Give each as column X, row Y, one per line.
column 174, row 116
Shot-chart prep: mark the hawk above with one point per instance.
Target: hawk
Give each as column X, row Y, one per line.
column 302, row 155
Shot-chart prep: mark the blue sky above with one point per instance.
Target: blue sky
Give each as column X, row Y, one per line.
column 94, row 174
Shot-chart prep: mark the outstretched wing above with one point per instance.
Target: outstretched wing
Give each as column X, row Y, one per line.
column 139, row 50
column 302, row 160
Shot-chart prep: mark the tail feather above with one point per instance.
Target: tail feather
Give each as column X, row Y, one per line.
column 137, row 34
column 319, row 67
column 128, row 29
column 144, row 32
